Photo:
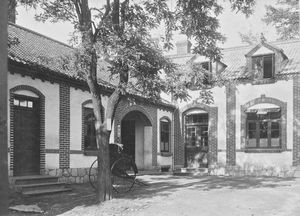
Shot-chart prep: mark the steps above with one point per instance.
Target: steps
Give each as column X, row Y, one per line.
column 39, row 185
column 191, row 172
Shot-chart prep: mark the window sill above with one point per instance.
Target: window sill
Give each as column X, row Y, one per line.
column 260, row 150
column 90, row 152
column 165, row 154
column 263, row 81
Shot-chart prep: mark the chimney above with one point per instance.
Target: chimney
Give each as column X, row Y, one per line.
column 183, row 47
column 12, row 4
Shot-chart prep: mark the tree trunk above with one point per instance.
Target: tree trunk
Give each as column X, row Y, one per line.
column 104, row 186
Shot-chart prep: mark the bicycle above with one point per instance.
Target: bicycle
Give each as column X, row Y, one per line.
column 123, row 170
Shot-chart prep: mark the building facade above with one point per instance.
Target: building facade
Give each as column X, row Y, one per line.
column 51, row 122
column 252, row 126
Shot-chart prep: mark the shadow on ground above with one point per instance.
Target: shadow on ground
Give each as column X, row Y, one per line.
column 158, row 185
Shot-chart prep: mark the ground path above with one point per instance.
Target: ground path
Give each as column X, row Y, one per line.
column 204, row 196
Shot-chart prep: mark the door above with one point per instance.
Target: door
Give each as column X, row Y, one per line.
column 26, row 136
column 128, row 137
column 196, row 139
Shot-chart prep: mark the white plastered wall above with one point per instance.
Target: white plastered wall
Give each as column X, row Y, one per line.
column 281, row 90
column 77, row 97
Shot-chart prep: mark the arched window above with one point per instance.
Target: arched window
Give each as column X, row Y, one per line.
column 89, row 131
column 165, row 135
column 263, row 127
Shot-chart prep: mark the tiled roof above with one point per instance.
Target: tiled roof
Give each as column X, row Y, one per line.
column 235, row 59
column 38, row 49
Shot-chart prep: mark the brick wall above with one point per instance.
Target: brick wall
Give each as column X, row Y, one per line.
column 296, row 120
column 230, row 124
column 150, row 111
column 64, row 126
column 42, row 125
column 178, row 141
column 212, row 136
column 264, row 99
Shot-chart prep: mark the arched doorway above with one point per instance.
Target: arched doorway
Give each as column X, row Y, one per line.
column 196, row 125
column 27, row 126
column 136, row 136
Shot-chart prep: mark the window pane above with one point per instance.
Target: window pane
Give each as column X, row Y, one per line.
column 263, row 143
column 251, row 116
column 251, row 143
column 275, row 125
column 23, row 103
column 275, row 115
column 275, row 134
column 275, row 142
column 268, row 67
column 16, row 102
column 263, row 132
column 30, row 104
column 251, row 134
column 251, row 125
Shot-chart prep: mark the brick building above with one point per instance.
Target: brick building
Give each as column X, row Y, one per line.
column 51, row 128
column 252, row 127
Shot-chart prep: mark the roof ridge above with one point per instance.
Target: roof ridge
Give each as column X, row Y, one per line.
column 271, row 43
column 39, row 34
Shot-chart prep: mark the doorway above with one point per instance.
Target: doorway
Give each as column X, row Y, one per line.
column 26, row 135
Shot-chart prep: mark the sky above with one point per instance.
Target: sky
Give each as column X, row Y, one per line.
column 231, row 24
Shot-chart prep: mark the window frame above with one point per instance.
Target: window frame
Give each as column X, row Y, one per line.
column 196, row 126
column 84, row 107
column 88, row 112
column 163, row 149
column 262, row 73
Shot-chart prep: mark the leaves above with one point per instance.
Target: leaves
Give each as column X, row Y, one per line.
column 285, row 18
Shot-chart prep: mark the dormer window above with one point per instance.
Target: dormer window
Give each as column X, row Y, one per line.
column 207, row 75
column 263, row 66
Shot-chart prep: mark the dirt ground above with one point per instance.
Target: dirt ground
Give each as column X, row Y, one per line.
column 171, row 195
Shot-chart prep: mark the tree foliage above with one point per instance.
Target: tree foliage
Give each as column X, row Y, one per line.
column 285, row 17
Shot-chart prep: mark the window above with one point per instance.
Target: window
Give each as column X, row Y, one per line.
column 23, row 103
column 263, row 129
column 165, row 128
column 207, row 67
column 196, row 129
column 263, row 66
column 89, row 130
column 88, row 124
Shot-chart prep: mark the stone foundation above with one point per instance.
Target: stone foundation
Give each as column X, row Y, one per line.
column 72, row 175
column 252, row 170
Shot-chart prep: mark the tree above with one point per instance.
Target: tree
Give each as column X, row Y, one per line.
column 119, row 33
column 249, row 38
column 285, row 17
column 3, row 111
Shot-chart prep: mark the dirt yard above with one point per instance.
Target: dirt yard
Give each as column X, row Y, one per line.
column 169, row 195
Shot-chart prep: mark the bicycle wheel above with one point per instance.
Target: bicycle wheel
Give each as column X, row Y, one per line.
column 123, row 173
column 93, row 174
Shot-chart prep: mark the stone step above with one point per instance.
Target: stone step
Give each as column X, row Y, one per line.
column 191, row 172
column 22, row 180
column 41, row 186
column 45, row 191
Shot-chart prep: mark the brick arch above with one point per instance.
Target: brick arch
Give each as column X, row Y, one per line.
column 212, row 125
column 263, row 99
column 136, row 108
column 260, row 100
column 42, row 123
